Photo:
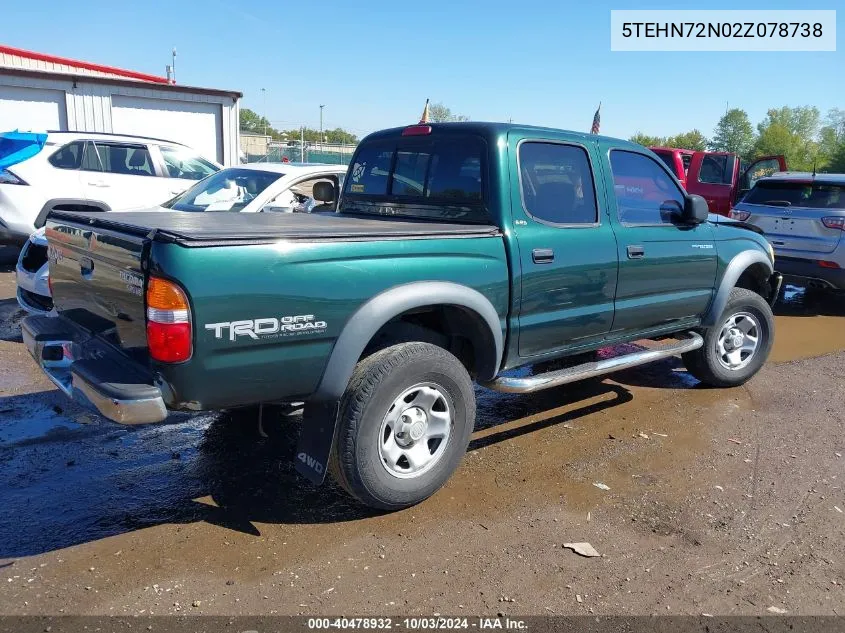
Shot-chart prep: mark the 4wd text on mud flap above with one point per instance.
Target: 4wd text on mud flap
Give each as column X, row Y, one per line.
column 312, row 463
column 255, row 328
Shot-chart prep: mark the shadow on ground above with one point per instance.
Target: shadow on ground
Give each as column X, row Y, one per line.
column 69, row 477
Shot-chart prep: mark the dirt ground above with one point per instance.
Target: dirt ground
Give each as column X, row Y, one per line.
column 719, row 501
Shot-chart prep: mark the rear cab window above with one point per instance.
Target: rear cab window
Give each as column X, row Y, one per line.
column 797, row 193
column 437, row 178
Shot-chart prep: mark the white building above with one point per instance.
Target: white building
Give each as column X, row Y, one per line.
column 42, row 92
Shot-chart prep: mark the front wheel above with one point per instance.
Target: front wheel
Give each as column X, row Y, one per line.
column 404, row 425
column 736, row 348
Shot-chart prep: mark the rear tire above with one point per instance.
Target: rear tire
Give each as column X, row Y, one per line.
column 404, row 425
column 738, row 345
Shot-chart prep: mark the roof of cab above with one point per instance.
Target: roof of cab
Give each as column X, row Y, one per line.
column 494, row 129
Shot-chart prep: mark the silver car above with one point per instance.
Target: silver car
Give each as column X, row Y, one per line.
column 803, row 216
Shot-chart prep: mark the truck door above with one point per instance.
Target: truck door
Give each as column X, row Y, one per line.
column 712, row 175
column 666, row 270
column 759, row 167
column 567, row 248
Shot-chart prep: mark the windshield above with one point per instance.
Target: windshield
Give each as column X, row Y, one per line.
column 785, row 193
column 227, row 190
column 429, row 178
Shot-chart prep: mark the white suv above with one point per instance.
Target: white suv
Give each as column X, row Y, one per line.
column 108, row 171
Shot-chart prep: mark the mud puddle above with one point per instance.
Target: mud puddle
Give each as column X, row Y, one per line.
column 807, row 324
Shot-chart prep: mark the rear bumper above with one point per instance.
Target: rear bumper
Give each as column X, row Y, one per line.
column 91, row 372
column 808, row 272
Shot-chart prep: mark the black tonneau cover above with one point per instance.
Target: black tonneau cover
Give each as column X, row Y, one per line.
column 187, row 227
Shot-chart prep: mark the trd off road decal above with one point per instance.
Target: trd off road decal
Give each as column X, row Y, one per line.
column 270, row 327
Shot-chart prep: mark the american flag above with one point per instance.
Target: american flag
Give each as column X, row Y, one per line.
column 596, row 121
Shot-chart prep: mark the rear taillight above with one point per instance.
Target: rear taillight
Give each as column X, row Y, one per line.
column 828, row 264
column 834, row 222
column 168, row 321
column 742, row 216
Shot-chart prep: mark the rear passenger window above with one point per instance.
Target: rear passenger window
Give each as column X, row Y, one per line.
column 90, row 159
column 68, row 157
column 129, row 160
column 557, row 183
column 714, row 170
column 645, row 193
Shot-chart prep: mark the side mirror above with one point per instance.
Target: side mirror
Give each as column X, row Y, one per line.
column 324, row 191
column 696, row 210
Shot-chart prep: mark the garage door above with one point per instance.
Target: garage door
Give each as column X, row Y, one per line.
column 198, row 125
column 35, row 109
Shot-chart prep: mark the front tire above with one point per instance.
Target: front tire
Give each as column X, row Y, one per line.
column 736, row 348
column 404, row 425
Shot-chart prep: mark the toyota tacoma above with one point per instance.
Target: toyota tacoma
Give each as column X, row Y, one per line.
column 454, row 253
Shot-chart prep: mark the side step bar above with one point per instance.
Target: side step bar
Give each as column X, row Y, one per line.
column 529, row 384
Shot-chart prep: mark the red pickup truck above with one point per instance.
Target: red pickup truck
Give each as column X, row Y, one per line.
column 719, row 177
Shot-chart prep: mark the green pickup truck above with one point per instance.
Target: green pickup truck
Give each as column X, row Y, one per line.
column 454, row 253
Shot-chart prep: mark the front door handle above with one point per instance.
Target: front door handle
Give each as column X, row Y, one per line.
column 636, row 252
column 98, row 183
column 543, row 255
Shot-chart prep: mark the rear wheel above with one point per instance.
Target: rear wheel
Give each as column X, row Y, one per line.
column 404, row 425
column 736, row 348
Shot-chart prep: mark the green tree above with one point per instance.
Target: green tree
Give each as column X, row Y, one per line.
column 836, row 163
column 439, row 113
column 252, row 122
column 792, row 132
column 733, row 133
column 832, row 138
column 647, row 141
column 339, row 135
column 693, row 140
column 311, row 135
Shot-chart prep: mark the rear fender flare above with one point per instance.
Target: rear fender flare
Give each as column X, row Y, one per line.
column 371, row 316
column 69, row 204
column 738, row 265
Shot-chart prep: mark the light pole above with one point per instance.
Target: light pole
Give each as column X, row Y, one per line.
column 264, row 109
column 264, row 116
column 321, row 127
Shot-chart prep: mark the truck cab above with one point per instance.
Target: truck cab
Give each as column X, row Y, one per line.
column 719, row 177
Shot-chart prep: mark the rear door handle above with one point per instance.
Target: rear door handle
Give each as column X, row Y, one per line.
column 636, row 252
column 543, row 255
column 98, row 183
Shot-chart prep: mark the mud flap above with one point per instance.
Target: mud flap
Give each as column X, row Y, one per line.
column 319, row 420
column 775, row 282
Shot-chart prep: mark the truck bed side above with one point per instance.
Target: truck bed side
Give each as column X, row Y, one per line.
column 267, row 316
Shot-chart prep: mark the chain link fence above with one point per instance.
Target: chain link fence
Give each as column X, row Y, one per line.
column 330, row 154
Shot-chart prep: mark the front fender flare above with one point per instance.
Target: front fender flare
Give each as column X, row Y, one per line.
column 738, row 265
column 371, row 316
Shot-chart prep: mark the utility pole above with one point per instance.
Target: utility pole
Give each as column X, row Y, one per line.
column 321, row 126
column 264, row 116
column 173, row 64
column 264, row 109
column 302, row 144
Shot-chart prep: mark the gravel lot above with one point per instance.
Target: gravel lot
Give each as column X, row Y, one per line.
column 719, row 501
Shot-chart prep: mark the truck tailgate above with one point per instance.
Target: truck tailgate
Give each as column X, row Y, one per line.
column 98, row 282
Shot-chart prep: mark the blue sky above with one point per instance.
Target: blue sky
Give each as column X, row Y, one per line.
column 373, row 63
